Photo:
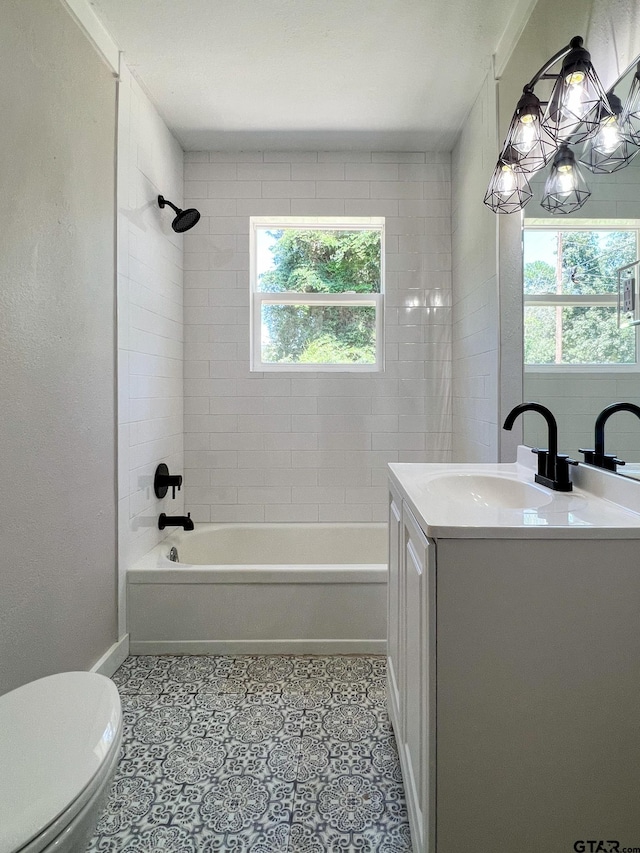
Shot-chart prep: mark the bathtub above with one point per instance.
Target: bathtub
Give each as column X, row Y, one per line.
column 262, row 589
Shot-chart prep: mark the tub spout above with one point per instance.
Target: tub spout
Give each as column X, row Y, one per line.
column 183, row 521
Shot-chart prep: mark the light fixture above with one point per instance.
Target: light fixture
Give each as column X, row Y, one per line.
column 565, row 190
column 529, row 142
column 508, row 189
column 577, row 109
column 578, row 101
column 630, row 118
column 610, row 149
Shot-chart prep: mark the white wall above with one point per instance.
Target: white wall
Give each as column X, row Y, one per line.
column 313, row 447
column 475, row 286
column 150, row 337
column 57, row 346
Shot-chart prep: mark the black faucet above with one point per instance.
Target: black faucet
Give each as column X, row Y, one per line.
column 183, row 521
column 597, row 456
column 553, row 467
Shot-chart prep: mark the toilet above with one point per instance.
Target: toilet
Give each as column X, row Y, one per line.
column 60, row 741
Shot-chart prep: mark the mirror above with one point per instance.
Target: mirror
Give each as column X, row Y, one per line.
column 577, row 360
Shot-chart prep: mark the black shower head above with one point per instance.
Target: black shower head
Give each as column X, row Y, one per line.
column 184, row 220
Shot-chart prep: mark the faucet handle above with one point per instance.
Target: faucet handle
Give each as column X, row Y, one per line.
column 608, row 461
column 543, row 460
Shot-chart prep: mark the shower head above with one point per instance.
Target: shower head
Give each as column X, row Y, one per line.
column 184, row 220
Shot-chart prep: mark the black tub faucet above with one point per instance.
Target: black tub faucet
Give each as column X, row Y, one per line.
column 183, row 521
column 553, row 467
column 597, row 456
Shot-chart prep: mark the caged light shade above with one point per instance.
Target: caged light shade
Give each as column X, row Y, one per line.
column 528, row 141
column 578, row 101
column 508, row 189
column 630, row 118
column 610, row 149
column 565, row 190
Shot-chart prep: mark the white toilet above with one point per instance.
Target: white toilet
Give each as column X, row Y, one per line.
column 59, row 746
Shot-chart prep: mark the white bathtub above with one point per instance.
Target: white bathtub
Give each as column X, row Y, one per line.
column 262, row 589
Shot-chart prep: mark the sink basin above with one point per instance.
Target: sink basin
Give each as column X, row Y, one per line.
column 489, row 490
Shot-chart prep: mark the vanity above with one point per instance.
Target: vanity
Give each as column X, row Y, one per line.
column 514, row 657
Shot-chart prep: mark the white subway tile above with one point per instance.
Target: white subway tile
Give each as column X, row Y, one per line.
column 236, row 441
column 291, row 513
column 344, row 441
column 263, row 207
column 317, row 494
column 288, row 189
column 211, row 459
column 234, row 190
column 317, row 207
column 247, row 513
column 264, row 172
column 342, row 189
column 264, row 495
column 235, row 156
column 318, row 172
column 264, row 459
column 343, row 477
column 291, row 477
column 210, row 423
column 211, row 172
column 291, row 441
column 290, row 156
column 344, row 156
column 345, row 512
column 265, row 423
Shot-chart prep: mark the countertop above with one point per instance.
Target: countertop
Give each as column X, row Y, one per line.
column 602, row 505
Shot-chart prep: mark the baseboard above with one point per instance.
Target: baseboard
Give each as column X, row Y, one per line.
column 112, row 658
column 258, row 647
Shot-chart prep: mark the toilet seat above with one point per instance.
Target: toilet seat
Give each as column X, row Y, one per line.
column 59, row 740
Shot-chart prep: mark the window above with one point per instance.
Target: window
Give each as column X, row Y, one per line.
column 571, row 296
column 317, row 293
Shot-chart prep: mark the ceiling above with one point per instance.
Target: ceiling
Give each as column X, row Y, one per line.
column 385, row 74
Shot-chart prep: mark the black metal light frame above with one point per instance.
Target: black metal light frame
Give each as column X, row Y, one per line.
column 528, row 154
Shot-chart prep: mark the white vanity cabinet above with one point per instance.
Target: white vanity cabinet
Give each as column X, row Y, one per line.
column 411, row 663
column 514, row 684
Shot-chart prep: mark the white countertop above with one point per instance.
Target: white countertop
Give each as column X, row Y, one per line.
column 602, row 505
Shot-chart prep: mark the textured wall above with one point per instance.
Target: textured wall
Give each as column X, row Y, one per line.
column 475, row 287
column 150, row 339
column 313, row 446
column 57, row 415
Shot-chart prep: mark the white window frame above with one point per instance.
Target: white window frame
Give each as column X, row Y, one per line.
column 260, row 298
column 569, row 300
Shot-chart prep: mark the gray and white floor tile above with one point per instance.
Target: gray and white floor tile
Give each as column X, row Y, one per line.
column 255, row 754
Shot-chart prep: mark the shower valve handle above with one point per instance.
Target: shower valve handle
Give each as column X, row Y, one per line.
column 163, row 480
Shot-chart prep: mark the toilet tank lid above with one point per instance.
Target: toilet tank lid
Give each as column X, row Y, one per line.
column 55, row 735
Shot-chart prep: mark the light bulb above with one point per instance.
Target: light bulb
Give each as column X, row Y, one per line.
column 566, row 182
column 526, row 135
column 508, row 181
column 609, row 137
column 575, row 78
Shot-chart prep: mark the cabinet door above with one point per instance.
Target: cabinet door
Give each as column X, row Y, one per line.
column 419, row 681
column 395, row 612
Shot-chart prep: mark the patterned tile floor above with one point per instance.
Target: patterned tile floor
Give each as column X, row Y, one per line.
column 255, row 755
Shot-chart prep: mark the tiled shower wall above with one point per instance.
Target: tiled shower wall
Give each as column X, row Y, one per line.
column 150, row 162
column 313, row 446
column 476, row 321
